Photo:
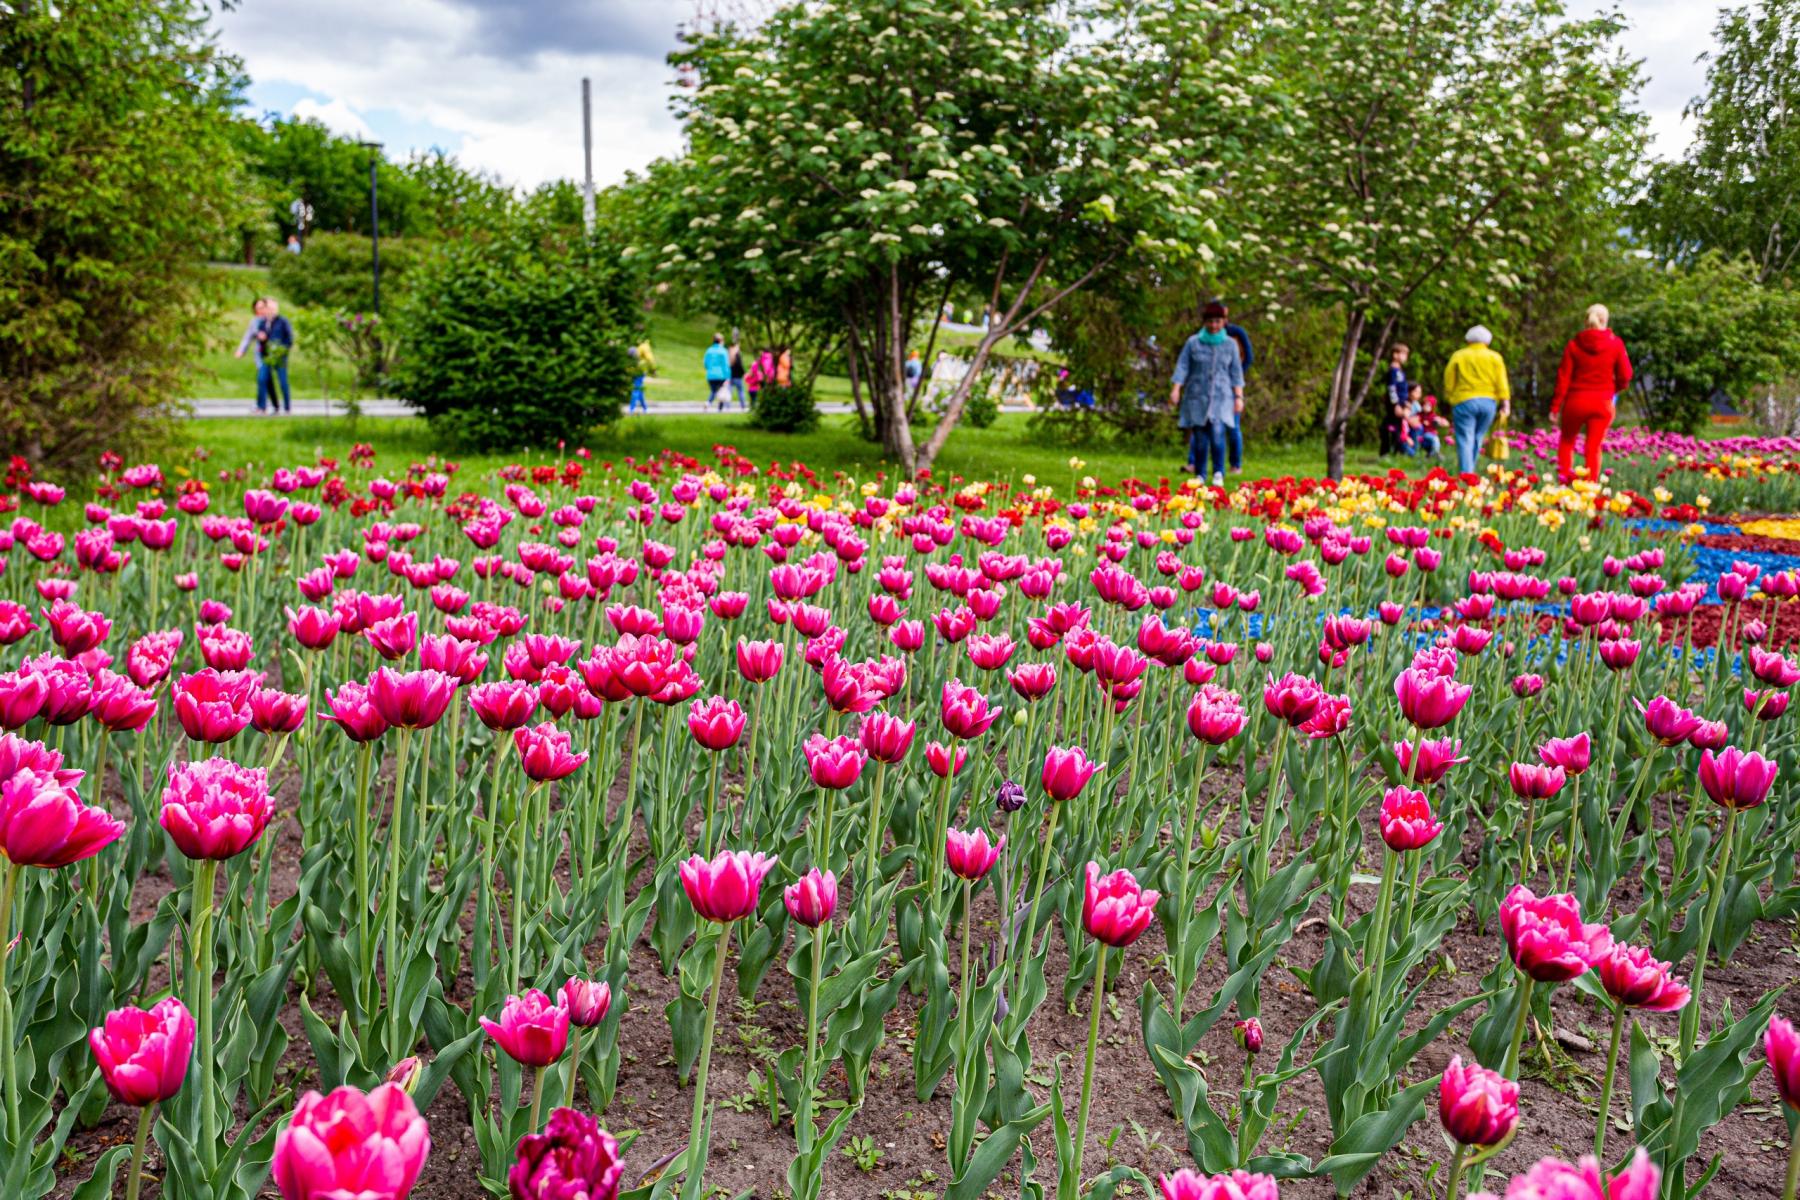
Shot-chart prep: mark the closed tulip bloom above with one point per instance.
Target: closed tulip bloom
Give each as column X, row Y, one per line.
column 347, row 1144
column 758, row 662
column 1782, row 1045
column 1571, row 754
column 886, row 737
column 1406, row 820
column 1430, row 700
column 1620, row 653
column 1115, row 909
column 213, row 706
column 1478, row 1107
column 120, row 705
column 215, row 808
column 411, row 699
column 1293, row 698
column 572, row 1159
column 970, row 855
column 1546, row 936
column 313, row 628
column 353, row 712
column 144, row 1054
column 276, row 711
column 1216, row 717
column 533, row 1030
column 1436, row 757
column 545, row 752
column 394, row 637
column 22, row 697
column 812, row 899
column 505, row 704
column 1553, row 1179
column 1249, row 1035
column 1527, row 686
column 1767, row 665
column 1735, row 779
column 1238, row 1185
column 1710, row 735
column 1066, row 771
column 716, row 723
column 1032, row 681
column 1534, row 781
column 1635, row 978
column 1766, row 706
column 945, row 760
column 965, row 711
column 729, row 887
column 1668, row 722
column 587, row 1001
column 75, row 630
column 834, row 763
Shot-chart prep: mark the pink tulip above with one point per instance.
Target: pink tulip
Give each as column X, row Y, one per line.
column 533, row 1030
column 1767, row 665
column 1710, row 735
column 945, row 760
column 1115, row 909
column 545, row 752
column 1553, row 1179
column 812, row 899
column 587, row 1001
column 1429, row 700
column 1782, row 1045
column 1249, row 1035
column 758, row 662
column 1735, row 779
column 1238, row 1185
column 313, row 628
column 504, row 705
column 1571, row 754
column 215, row 808
column 572, row 1159
column 727, row 888
column 1478, row 1107
column 75, row 630
column 1293, row 698
column 276, row 711
column 1066, row 771
column 886, row 737
column 411, row 699
column 1527, row 686
column 965, row 711
column 1406, row 820
column 353, row 712
column 1634, row 978
column 1667, row 722
column 1533, row 781
column 1215, row 717
column 144, row 1054
column 120, row 705
column 350, row 1145
column 1766, row 706
column 1546, row 936
column 716, row 723
column 834, row 763
column 1032, row 681
column 970, row 855
column 1436, row 757
column 213, row 706
column 22, row 698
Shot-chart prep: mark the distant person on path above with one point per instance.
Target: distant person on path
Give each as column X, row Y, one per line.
column 277, row 344
column 737, row 374
column 252, row 343
column 1476, row 388
column 641, row 362
column 915, row 371
column 1595, row 369
column 717, row 362
column 784, row 368
column 293, row 243
column 1247, row 356
column 1207, row 392
column 760, row 375
column 1398, row 393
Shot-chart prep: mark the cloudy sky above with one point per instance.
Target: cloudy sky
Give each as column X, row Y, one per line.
column 498, row 82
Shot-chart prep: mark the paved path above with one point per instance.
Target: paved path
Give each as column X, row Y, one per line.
column 208, row 408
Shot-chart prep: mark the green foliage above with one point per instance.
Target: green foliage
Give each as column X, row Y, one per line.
column 983, row 410
column 1733, row 191
column 518, row 341
column 336, row 270
column 115, row 156
column 1710, row 326
column 785, row 409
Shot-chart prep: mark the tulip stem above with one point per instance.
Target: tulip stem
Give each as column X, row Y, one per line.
column 205, row 876
column 1690, row 1017
column 519, row 890
column 365, row 938
column 872, row 877
column 1181, row 966
column 1037, row 893
column 135, row 1180
column 810, row 1080
column 1271, row 803
column 8, row 1053
column 1606, row 1089
column 391, row 954
column 698, row 1130
column 1575, row 832
column 940, row 829
column 1375, row 950
column 537, row 1096
column 1511, row 1067
column 962, row 1016
column 1412, row 894
column 574, row 1067
column 1087, row 1071
column 1793, row 1171
column 1456, row 1169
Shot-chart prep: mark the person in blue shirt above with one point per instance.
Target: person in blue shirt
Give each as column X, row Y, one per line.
column 1207, row 392
column 1398, row 394
column 717, row 362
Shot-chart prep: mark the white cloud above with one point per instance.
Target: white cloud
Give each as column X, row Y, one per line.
column 1669, row 35
column 336, row 116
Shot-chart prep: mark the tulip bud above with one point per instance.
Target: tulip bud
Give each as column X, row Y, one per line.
column 405, row 1074
column 1249, row 1035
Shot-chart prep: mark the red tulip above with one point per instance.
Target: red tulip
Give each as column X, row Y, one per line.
column 144, row 1053
column 1634, row 978
column 215, row 808
column 970, row 855
column 728, row 887
column 1546, row 936
column 1115, row 909
column 1478, row 1107
column 1735, row 779
column 572, row 1159
column 347, row 1144
column 533, row 1030
column 1066, row 771
column 545, row 752
column 812, row 899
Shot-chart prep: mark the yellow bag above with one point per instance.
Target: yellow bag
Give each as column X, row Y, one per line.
column 1497, row 447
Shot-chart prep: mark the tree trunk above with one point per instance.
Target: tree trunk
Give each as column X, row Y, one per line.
column 1337, row 403
column 887, row 377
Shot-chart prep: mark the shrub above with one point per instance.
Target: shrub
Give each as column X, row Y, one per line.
column 337, row 271
column 516, row 342
column 982, row 410
column 785, row 410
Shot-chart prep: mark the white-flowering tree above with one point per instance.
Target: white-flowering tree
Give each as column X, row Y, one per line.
column 871, row 157
column 1435, row 144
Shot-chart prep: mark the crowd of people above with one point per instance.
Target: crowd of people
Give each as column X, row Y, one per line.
column 1207, row 394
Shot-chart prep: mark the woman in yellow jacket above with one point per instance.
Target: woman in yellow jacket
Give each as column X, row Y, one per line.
column 1478, row 393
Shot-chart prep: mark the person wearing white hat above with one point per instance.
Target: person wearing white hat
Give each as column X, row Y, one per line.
column 1476, row 388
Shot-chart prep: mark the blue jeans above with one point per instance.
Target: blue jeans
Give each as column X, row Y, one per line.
column 1237, row 446
column 1211, row 437
column 737, row 389
column 267, row 377
column 637, row 403
column 1471, row 420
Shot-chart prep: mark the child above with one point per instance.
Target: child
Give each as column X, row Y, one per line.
column 1394, row 427
column 1421, row 419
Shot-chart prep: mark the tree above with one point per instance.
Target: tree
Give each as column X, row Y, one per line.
column 868, row 159
column 1434, row 144
column 1711, row 326
column 1737, row 189
column 115, row 160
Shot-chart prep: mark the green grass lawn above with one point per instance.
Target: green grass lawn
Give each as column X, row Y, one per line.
column 313, row 371
column 1004, row 450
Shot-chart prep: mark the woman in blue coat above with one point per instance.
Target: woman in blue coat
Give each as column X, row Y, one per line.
column 1208, row 392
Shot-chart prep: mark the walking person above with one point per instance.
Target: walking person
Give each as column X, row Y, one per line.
column 277, row 344
column 737, row 374
column 760, row 375
column 1207, row 392
column 717, row 363
column 251, row 343
column 1595, row 369
column 915, row 372
column 1394, row 424
column 1478, row 393
column 1246, row 355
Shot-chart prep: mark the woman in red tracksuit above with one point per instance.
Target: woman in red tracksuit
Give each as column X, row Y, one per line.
column 1595, row 369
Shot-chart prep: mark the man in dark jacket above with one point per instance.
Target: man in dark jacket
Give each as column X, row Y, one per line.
column 277, row 342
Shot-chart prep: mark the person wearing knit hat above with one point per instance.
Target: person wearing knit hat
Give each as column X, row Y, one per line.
column 1477, row 390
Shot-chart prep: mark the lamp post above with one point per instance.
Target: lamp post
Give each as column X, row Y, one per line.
column 375, row 218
